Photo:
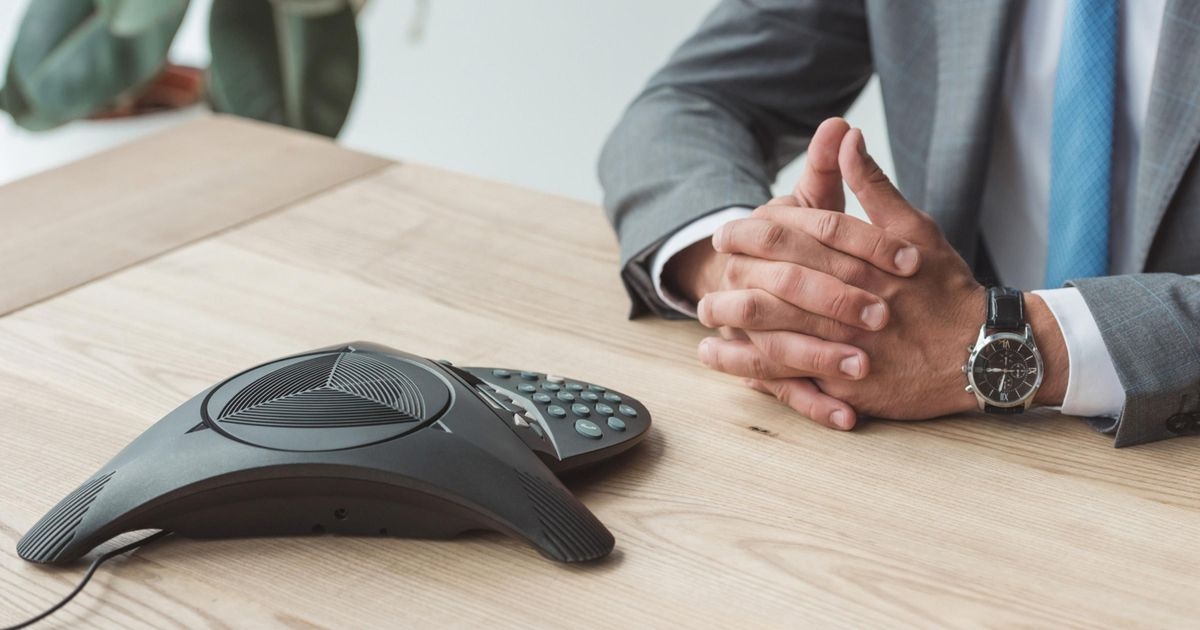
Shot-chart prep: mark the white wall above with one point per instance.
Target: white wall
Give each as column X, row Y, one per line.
column 523, row 91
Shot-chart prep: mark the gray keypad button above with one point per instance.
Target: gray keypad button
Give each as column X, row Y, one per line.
column 501, row 373
column 611, row 397
column 597, row 388
column 581, row 409
column 527, row 387
column 566, row 396
column 588, row 429
column 616, row 424
column 540, row 397
column 604, row 409
column 556, row 411
column 551, row 386
column 589, row 396
column 575, row 387
column 529, row 376
column 627, row 410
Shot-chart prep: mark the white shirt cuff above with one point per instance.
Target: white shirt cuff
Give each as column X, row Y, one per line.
column 1093, row 387
column 685, row 237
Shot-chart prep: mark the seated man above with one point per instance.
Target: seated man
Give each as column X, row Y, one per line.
column 1047, row 146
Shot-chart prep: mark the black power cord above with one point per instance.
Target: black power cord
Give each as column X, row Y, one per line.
column 88, row 576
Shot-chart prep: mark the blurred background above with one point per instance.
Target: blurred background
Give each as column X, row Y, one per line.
column 521, row 91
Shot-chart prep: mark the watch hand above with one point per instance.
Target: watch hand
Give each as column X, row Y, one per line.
column 1002, row 379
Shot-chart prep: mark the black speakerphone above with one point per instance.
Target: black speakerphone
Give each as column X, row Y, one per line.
column 358, row 439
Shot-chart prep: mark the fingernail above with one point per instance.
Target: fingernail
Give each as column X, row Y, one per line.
column 906, row 259
column 705, row 349
column 851, row 366
column 840, row 419
column 862, row 143
column 872, row 316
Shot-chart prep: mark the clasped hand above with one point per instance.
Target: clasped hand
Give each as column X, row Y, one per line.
column 833, row 315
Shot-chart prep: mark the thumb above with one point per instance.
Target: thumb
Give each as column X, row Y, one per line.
column 820, row 185
column 879, row 198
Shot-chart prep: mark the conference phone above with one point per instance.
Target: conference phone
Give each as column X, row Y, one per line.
column 364, row 440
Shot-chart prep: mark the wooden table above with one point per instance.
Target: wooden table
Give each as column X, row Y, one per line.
column 134, row 279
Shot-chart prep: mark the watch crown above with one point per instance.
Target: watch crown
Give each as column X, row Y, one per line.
column 964, row 368
column 970, row 348
column 970, row 390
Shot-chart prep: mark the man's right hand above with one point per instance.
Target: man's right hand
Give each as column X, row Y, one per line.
column 805, row 258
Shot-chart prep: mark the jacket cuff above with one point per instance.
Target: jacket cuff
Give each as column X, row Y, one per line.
column 636, row 269
column 1142, row 319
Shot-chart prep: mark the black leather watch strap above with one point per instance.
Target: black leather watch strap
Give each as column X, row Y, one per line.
column 1005, row 309
column 1002, row 410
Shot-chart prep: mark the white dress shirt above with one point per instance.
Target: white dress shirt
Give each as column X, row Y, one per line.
column 1015, row 212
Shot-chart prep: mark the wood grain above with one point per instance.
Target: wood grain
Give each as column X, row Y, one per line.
column 84, row 220
column 734, row 512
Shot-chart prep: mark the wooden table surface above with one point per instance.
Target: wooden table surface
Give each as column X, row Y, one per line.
column 734, row 512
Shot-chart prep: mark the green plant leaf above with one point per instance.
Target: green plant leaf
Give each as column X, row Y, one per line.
column 126, row 18
column 68, row 62
column 290, row 63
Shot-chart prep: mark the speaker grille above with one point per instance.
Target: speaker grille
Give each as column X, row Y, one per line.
column 48, row 536
column 342, row 390
column 375, row 380
column 287, row 381
column 574, row 532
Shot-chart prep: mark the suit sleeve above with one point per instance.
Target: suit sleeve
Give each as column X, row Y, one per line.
column 737, row 101
column 1151, row 325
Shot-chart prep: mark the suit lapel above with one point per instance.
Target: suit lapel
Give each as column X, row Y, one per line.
column 973, row 38
column 1172, row 129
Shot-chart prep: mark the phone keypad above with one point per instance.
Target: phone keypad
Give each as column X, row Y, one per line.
column 591, row 410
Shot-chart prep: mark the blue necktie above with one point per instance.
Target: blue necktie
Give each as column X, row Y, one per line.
column 1081, row 141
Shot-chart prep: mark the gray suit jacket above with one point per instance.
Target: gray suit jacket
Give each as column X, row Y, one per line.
column 743, row 96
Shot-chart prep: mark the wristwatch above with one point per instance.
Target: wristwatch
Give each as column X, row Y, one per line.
column 1004, row 369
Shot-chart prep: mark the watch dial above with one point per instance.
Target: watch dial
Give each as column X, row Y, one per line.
column 1005, row 371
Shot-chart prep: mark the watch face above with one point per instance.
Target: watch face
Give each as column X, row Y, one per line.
column 1006, row 370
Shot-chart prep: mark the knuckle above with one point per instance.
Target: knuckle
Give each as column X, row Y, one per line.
column 879, row 247
column 750, row 311
column 853, row 272
column 718, row 360
column 787, row 395
column 815, row 359
column 771, row 237
column 731, row 273
column 758, row 368
column 772, row 346
column 876, row 176
column 826, row 359
column 838, row 301
column 812, row 408
column 828, row 227
column 790, row 282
